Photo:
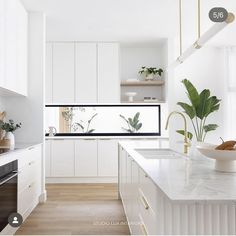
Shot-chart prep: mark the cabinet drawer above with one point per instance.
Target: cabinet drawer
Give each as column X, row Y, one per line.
column 26, row 197
column 27, row 174
column 149, row 189
column 29, row 156
column 147, row 213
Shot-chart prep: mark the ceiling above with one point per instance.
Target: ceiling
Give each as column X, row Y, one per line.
column 127, row 20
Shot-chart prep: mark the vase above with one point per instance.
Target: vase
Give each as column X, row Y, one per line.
column 150, row 77
column 193, row 151
column 10, row 136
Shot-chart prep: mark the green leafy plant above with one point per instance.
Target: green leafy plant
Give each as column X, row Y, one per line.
column 150, row 70
column 85, row 128
column 68, row 115
column 133, row 123
column 201, row 106
column 9, row 126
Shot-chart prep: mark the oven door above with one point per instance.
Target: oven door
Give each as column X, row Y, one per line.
column 8, row 198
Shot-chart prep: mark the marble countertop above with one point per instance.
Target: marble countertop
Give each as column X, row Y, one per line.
column 20, row 147
column 184, row 179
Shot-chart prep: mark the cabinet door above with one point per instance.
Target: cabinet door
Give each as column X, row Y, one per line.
column 86, row 72
column 48, row 158
column 86, row 158
column 11, row 45
column 108, row 73
column 108, row 158
column 22, row 50
column 62, row 164
column 48, row 75
column 63, row 72
column 2, row 42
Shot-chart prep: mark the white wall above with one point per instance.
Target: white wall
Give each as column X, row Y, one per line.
column 205, row 69
column 2, row 105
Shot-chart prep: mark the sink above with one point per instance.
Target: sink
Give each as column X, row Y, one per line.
column 154, row 153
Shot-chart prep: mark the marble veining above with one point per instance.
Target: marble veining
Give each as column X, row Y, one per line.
column 191, row 178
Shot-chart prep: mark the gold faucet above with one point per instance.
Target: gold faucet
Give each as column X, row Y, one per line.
column 186, row 143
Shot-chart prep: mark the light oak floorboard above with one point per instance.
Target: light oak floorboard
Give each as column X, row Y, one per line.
column 78, row 209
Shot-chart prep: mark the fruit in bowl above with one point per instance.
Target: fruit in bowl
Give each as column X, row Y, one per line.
column 228, row 145
column 224, row 155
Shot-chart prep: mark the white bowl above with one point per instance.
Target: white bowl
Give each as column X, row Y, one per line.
column 225, row 159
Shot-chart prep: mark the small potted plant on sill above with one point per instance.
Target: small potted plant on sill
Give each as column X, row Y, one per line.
column 9, row 128
column 150, row 73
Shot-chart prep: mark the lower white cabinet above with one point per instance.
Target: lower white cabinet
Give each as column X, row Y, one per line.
column 29, row 179
column 108, row 158
column 86, row 158
column 94, row 159
column 62, row 158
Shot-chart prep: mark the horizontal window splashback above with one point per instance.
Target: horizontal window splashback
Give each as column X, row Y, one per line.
column 103, row 120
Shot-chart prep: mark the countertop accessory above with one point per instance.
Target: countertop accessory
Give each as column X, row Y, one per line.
column 225, row 160
column 52, row 131
column 185, row 132
column 131, row 96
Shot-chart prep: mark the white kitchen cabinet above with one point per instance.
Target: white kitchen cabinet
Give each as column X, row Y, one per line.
column 2, row 43
column 22, row 50
column 86, row 158
column 49, row 73
column 108, row 73
column 29, row 179
column 108, row 158
column 86, row 72
column 62, row 158
column 63, row 72
column 48, row 158
column 13, row 47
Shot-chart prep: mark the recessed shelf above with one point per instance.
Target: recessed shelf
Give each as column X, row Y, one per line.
column 143, row 83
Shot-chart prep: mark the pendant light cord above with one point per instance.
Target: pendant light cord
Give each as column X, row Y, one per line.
column 199, row 18
column 180, row 28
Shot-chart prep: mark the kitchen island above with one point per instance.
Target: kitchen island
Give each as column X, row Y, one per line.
column 174, row 194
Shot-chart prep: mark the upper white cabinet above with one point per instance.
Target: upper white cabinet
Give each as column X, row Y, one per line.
column 82, row 72
column 108, row 158
column 63, row 73
column 13, row 46
column 108, row 73
column 48, row 74
column 86, row 72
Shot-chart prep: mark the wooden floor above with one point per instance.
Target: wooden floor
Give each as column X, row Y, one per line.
column 78, row 209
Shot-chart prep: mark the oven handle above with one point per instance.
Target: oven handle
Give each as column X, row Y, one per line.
column 9, row 178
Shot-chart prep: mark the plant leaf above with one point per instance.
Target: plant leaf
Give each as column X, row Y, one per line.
column 91, row 131
column 210, row 127
column 190, row 135
column 192, row 92
column 190, row 111
column 139, row 126
column 204, row 104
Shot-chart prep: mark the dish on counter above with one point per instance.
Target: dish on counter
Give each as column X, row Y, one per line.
column 225, row 159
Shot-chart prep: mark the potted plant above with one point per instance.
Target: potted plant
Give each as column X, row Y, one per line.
column 9, row 128
column 198, row 110
column 150, row 72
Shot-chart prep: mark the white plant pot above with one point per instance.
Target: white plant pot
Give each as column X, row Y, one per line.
column 150, row 77
column 10, row 136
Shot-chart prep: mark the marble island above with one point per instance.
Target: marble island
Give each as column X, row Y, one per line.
column 175, row 194
column 184, row 178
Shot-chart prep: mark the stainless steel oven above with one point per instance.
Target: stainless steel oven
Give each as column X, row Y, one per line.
column 8, row 192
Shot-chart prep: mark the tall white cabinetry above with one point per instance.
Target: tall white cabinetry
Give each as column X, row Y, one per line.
column 108, row 73
column 13, row 47
column 63, row 89
column 86, row 72
column 78, row 72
